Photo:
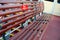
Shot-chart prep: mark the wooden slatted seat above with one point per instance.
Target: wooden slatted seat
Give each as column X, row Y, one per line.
column 33, row 33
column 28, row 35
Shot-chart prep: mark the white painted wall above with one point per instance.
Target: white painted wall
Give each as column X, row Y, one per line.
column 49, row 7
column 57, row 10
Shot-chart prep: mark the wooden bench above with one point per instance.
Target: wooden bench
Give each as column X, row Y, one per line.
column 12, row 16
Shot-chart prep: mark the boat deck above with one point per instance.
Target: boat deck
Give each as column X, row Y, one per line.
column 53, row 29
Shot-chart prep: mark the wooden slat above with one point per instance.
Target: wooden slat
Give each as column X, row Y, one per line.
column 13, row 6
column 10, row 6
column 19, row 2
column 12, row 11
column 9, row 12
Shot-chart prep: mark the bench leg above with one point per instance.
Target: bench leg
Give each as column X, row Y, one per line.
column 31, row 19
column 26, row 23
column 22, row 26
column 41, row 13
column 34, row 18
column 5, row 37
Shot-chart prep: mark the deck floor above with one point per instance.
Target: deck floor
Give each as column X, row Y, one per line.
column 53, row 30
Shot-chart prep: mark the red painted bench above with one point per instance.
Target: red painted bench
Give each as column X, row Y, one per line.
column 14, row 19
